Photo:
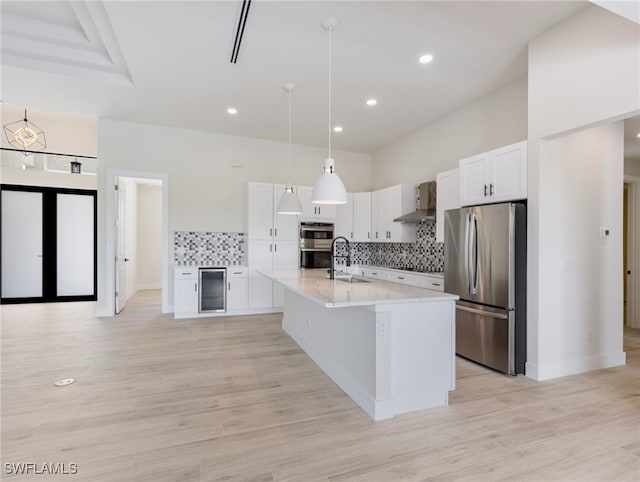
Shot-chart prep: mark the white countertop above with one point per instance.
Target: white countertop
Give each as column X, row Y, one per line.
column 313, row 284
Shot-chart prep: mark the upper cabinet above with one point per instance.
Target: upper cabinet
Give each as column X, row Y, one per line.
column 353, row 220
column 362, row 216
column 315, row 211
column 388, row 204
column 262, row 221
column 447, row 197
column 495, row 176
column 344, row 219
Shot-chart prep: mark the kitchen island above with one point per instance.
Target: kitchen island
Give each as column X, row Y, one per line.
column 390, row 347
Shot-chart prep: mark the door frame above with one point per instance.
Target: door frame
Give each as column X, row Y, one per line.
column 109, row 292
column 633, row 247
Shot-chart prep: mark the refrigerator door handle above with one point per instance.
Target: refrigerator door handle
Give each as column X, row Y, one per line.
column 473, row 256
column 491, row 314
column 467, row 235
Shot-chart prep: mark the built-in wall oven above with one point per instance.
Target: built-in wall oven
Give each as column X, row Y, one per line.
column 315, row 244
column 213, row 290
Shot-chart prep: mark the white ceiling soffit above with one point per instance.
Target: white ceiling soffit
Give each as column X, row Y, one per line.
column 72, row 38
column 629, row 9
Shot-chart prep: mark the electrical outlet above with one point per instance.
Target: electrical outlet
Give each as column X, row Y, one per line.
column 382, row 328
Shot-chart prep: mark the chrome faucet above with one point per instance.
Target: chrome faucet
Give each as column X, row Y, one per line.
column 332, row 268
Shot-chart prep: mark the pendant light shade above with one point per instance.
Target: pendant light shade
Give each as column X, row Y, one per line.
column 329, row 188
column 289, row 202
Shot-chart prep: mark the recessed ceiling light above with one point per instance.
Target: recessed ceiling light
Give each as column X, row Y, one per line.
column 425, row 59
column 337, row 129
column 372, row 101
column 232, row 110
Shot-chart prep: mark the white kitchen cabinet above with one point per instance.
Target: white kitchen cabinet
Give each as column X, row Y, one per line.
column 375, row 273
column 237, row 288
column 353, row 220
column 260, row 258
column 185, row 293
column 314, row 211
column 447, row 197
column 388, row 204
column 262, row 221
column 285, row 258
column 495, row 176
column 265, row 255
column 362, row 217
column 344, row 219
column 431, row 282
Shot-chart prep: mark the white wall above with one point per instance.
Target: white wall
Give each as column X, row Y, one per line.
column 149, row 265
column 583, row 72
column 580, row 321
column 496, row 120
column 204, row 192
column 46, row 178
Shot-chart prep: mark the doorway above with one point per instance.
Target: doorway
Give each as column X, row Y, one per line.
column 137, row 237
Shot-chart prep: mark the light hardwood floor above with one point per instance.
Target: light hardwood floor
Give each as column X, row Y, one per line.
column 236, row 399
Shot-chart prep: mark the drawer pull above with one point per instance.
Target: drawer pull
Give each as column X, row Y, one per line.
column 435, row 284
column 400, row 277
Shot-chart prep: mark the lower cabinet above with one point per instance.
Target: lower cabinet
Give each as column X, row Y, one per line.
column 269, row 256
column 186, row 292
column 185, row 299
column 237, row 289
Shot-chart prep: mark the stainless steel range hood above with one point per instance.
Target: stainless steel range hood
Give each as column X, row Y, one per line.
column 427, row 207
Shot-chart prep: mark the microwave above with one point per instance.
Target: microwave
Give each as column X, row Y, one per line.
column 316, row 231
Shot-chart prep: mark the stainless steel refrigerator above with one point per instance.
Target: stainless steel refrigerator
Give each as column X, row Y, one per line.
column 485, row 264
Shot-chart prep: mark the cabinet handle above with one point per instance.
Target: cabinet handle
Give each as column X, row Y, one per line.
column 485, row 189
column 270, row 231
column 271, row 248
column 435, row 284
column 275, row 248
column 229, row 284
column 275, row 232
column 237, row 272
column 368, row 235
column 376, row 234
column 490, row 189
column 195, row 286
column 351, row 234
column 400, row 277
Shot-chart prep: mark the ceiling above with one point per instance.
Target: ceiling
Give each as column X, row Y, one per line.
column 167, row 62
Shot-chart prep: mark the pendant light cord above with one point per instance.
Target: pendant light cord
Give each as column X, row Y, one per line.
column 289, row 134
column 330, row 50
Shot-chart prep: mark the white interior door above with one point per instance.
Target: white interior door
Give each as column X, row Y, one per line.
column 21, row 244
column 120, row 242
column 75, row 245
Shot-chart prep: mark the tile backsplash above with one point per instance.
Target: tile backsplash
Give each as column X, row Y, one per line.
column 423, row 255
column 193, row 248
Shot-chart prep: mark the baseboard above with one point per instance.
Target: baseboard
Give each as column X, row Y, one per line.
column 563, row 368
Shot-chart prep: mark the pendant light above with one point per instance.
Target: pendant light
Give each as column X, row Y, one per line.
column 25, row 135
column 329, row 189
column 289, row 202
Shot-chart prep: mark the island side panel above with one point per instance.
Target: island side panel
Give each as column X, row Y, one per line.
column 423, row 355
column 341, row 341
